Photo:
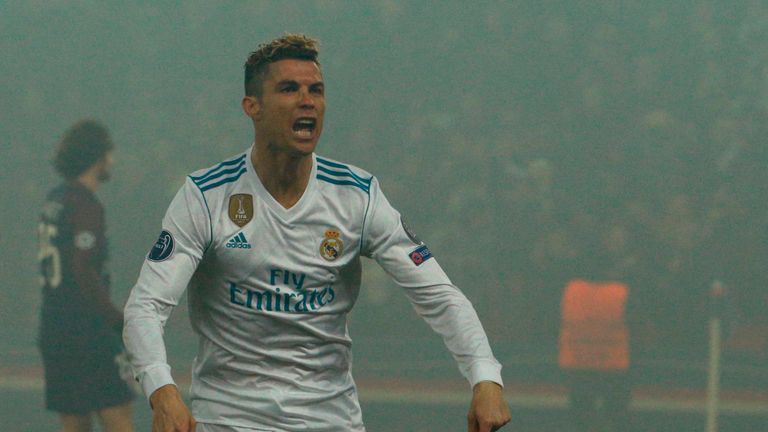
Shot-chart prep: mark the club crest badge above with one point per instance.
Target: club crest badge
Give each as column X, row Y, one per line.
column 332, row 246
column 241, row 209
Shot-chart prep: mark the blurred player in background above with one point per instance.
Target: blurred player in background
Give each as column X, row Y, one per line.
column 598, row 313
column 79, row 326
column 269, row 242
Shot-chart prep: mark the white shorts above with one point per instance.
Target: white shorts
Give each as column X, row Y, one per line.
column 208, row 427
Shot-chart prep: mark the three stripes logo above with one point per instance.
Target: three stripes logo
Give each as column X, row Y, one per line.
column 238, row 242
column 340, row 174
column 223, row 173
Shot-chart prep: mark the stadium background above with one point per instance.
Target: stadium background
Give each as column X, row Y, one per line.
column 511, row 135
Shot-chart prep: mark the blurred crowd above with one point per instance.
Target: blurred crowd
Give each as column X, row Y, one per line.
column 634, row 142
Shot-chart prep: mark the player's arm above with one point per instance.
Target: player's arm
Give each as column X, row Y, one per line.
column 87, row 224
column 164, row 276
column 441, row 304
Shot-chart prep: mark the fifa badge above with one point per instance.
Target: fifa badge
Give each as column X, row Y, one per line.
column 241, row 209
column 332, row 246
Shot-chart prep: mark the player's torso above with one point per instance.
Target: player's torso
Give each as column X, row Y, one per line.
column 277, row 276
column 290, row 262
column 270, row 299
column 60, row 238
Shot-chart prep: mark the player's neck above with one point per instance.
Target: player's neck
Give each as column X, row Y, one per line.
column 285, row 176
column 89, row 180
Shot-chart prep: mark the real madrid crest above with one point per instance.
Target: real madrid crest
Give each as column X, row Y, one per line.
column 241, row 209
column 332, row 246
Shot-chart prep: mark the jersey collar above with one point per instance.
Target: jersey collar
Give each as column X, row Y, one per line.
column 270, row 201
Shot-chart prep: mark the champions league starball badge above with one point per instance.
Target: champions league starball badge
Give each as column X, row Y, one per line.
column 332, row 246
column 163, row 248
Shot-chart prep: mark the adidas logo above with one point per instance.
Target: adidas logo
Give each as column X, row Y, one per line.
column 238, row 242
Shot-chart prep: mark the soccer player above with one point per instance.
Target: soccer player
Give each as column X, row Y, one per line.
column 269, row 243
column 80, row 327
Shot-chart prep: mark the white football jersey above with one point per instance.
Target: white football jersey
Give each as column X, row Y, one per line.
column 269, row 292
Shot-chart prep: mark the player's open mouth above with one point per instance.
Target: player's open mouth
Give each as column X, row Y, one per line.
column 304, row 127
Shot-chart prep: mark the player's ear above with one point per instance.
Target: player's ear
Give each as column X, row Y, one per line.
column 251, row 106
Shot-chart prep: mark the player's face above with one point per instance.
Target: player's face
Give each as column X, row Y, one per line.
column 290, row 111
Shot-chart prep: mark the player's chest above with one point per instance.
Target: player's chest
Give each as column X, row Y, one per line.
column 247, row 232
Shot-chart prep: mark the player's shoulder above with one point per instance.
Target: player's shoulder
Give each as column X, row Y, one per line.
column 342, row 174
column 56, row 202
column 228, row 171
column 74, row 196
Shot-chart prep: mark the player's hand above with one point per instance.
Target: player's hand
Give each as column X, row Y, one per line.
column 489, row 411
column 169, row 413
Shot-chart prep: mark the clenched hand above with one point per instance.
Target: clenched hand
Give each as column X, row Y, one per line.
column 489, row 411
column 169, row 413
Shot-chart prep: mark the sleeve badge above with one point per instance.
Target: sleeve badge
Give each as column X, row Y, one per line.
column 85, row 240
column 420, row 255
column 163, row 248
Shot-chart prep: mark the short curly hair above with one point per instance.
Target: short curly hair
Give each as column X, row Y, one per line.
column 289, row 46
column 82, row 145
